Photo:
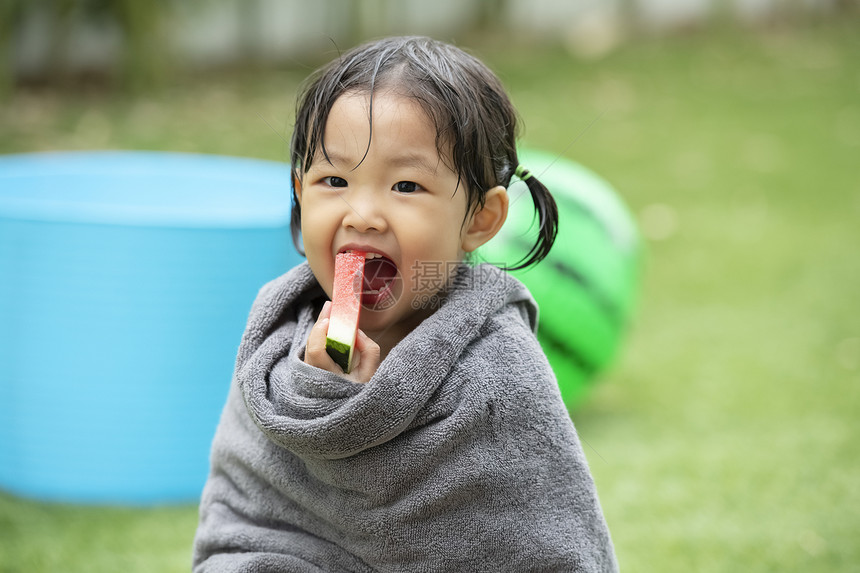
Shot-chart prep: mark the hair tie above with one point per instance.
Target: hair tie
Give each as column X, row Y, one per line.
column 522, row 173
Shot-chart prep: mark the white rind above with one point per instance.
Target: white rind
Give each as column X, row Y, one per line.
column 341, row 330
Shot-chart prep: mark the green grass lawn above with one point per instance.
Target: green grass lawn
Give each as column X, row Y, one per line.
column 726, row 436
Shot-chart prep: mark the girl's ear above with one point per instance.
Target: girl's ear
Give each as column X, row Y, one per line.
column 487, row 220
column 297, row 185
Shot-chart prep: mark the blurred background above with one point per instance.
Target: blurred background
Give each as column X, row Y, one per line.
column 725, row 436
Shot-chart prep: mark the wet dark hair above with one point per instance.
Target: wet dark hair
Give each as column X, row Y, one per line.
column 476, row 124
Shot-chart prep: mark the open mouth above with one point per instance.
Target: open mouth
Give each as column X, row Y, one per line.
column 381, row 282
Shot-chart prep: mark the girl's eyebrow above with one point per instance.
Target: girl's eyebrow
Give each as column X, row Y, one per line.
column 332, row 157
column 415, row 160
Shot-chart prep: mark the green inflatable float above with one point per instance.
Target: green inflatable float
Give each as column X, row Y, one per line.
column 586, row 288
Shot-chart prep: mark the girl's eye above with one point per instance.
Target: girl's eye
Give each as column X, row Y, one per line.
column 406, row 187
column 335, row 181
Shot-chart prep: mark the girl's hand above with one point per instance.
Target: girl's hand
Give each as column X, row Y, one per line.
column 365, row 357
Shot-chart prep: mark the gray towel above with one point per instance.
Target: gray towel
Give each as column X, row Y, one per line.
column 458, row 456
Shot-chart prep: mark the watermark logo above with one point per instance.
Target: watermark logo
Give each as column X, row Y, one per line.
column 380, row 284
column 433, row 279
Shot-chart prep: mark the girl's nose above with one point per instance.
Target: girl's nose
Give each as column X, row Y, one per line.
column 364, row 212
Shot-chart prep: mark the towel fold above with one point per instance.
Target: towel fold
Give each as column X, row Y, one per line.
column 458, row 455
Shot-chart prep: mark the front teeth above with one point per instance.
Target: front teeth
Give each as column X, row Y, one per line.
column 369, row 255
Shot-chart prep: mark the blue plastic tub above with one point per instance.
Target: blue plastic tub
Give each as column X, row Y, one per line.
column 125, row 282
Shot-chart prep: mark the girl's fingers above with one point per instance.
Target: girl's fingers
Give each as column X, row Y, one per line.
column 315, row 353
column 326, row 310
column 365, row 359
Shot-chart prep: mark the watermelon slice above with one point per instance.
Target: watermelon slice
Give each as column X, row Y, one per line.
column 346, row 307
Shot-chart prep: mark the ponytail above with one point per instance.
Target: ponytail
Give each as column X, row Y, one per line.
column 546, row 212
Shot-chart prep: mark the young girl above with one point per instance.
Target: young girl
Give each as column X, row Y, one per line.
column 447, row 448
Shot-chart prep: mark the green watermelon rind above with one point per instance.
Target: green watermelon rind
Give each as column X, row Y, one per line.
column 340, row 352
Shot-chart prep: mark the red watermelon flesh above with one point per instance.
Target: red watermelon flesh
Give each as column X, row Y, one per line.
column 346, row 307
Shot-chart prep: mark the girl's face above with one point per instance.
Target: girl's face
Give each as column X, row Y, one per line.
column 395, row 198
